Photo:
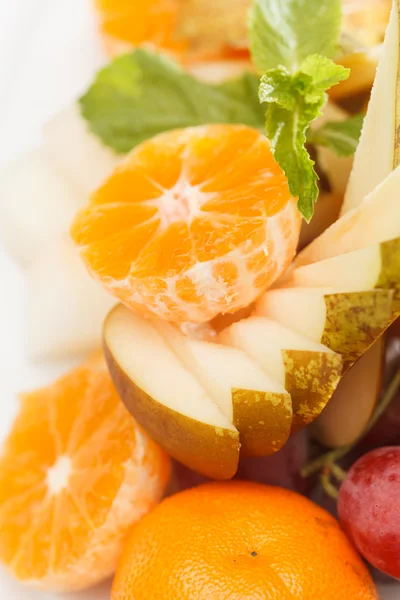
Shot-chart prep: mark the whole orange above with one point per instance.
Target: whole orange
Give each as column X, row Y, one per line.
column 238, row 541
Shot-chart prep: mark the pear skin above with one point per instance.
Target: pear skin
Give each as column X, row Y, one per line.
column 310, row 378
column 264, row 421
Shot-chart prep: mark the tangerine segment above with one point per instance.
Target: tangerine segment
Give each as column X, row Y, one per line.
column 240, row 540
column 194, row 223
column 75, row 473
column 127, row 23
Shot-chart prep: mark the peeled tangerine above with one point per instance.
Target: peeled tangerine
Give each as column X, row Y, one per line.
column 193, row 223
column 75, row 473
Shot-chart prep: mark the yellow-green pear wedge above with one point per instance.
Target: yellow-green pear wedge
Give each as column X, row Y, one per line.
column 166, row 399
column 258, row 405
column 374, row 267
column 351, row 406
column 346, row 322
column 375, row 220
column 374, row 158
column 309, row 371
column 355, row 271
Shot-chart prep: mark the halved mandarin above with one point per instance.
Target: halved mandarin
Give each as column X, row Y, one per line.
column 76, row 472
column 194, row 223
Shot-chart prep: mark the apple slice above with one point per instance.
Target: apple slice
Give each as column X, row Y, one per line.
column 346, row 322
column 375, row 220
column 78, row 152
column 374, row 159
column 259, row 406
column 166, row 399
column 65, row 307
column 37, row 205
column 309, row 371
column 351, row 406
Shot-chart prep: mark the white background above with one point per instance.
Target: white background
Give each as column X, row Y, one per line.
column 48, row 53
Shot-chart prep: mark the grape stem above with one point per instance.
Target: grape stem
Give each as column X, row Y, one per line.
column 327, row 461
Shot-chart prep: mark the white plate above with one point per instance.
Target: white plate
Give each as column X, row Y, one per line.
column 48, row 53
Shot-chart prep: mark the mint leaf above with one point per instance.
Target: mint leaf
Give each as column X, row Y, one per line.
column 286, row 32
column 341, row 137
column 141, row 94
column 295, row 100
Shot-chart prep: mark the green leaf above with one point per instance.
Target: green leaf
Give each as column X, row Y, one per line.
column 295, row 100
column 341, row 137
column 141, row 94
column 286, row 32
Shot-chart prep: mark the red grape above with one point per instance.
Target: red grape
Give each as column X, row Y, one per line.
column 369, row 508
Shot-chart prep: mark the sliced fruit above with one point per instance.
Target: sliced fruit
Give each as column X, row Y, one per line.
column 166, row 399
column 375, row 156
column 309, row 371
column 366, row 269
column 359, row 270
column 346, row 322
column 126, row 24
column 258, row 405
column 65, row 307
column 77, row 152
column 351, row 406
column 76, row 472
column 375, row 220
column 194, row 223
column 37, row 205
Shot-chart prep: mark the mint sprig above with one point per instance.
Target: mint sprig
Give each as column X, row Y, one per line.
column 143, row 93
column 285, row 32
column 292, row 40
column 341, row 137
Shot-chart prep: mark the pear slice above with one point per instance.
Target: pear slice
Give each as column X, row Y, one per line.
column 373, row 267
column 259, row 406
column 375, row 220
column 65, row 308
column 37, row 204
column 355, row 271
column 309, row 371
column 166, row 399
column 78, row 152
column 374, row 158
column 351, row 406
column 346, row 322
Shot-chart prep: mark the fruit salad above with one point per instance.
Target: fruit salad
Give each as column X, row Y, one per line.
column 212, row 232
